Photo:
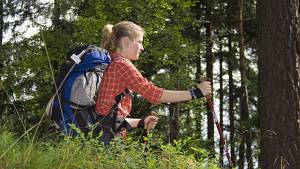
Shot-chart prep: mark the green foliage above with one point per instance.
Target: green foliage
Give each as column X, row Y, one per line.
column 15, row 13
column 86, row 153
column 174, row 42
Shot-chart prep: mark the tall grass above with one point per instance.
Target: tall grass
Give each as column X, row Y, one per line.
column 88, row 153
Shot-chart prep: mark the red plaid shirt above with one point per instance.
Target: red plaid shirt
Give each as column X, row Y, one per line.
column 121, row 74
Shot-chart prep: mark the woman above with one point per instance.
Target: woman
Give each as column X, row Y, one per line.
column 124, row 41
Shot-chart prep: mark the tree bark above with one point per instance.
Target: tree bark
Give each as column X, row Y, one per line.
column 244, row 114
column 1, row 23
column 209, row 72
column 2, row 95
column 279, row 65
column 174, row 121
column 221, row 104
column 198, row 116
column 231, row 100
column 56, row 22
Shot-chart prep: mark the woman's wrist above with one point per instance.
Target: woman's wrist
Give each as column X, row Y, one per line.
column 141, row 123
column 196, row 93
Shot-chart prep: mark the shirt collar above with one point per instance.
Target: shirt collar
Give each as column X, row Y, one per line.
column 117, row 56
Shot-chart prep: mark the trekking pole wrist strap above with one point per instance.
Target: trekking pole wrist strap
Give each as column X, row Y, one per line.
column 196, row 93
column 141, row 124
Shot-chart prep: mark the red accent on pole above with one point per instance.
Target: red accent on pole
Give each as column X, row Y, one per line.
column 208, row 99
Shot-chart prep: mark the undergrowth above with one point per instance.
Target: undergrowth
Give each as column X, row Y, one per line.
column 87, row 153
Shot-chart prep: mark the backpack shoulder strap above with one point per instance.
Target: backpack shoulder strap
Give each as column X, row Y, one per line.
column 114, row 109
column 110, row 119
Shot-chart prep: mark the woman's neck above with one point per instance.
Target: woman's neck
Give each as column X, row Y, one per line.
column 121, row 53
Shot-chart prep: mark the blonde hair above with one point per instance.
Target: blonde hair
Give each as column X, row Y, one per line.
column 111, row 34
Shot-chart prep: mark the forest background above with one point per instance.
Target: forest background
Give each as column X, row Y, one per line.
column 248, row 49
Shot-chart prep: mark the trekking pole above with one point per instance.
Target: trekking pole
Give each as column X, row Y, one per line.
column 223, row 141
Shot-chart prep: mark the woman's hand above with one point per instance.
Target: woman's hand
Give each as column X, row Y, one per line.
column 150, row 122
column 205, row 87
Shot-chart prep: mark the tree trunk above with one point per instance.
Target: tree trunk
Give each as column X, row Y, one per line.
column 56, row 21
column 1, row 23
column 231, row 99
column 209, row 72
column 2, row 95
column 279, row 64
column 198, row 114
column 259, row 105
column 245, row 138
column 188, row 122
column 174, row 121
column 221, row 104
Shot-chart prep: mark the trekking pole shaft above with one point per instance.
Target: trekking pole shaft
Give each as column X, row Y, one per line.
column 211, row 106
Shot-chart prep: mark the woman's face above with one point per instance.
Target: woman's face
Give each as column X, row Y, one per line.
column 134, row 47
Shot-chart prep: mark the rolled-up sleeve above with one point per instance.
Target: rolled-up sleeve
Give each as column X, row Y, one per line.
column 133, row 80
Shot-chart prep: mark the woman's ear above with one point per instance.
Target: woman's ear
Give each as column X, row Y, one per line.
column 125, row 42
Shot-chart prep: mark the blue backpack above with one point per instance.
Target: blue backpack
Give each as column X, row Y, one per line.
column 76, row 89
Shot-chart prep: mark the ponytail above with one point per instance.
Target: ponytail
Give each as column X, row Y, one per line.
column 111, row 34
column 106, row 41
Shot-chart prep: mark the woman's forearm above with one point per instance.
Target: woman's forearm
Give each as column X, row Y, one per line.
column 133, row 122
column 175, row 96
column 204, row 88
